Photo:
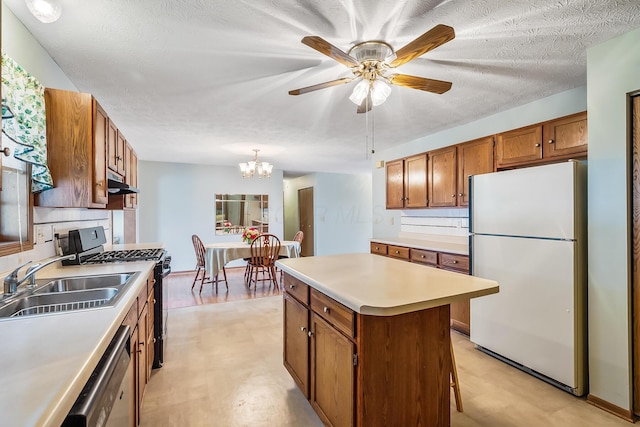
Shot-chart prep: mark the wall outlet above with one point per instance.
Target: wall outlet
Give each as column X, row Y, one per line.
column 44, row 233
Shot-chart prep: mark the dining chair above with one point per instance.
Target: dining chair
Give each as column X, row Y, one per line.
column 264, row 254
column 200, row 254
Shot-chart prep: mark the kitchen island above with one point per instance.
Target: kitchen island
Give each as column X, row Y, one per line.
column 366, row 338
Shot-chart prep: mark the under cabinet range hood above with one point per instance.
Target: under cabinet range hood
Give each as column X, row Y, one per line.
column 116, row 186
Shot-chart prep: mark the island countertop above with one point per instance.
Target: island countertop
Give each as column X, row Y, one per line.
column 373, row 285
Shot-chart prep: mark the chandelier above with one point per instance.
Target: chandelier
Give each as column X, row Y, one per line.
column 253, row 167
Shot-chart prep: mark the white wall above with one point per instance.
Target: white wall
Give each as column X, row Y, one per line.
column 177, row 200
column 387, row 222
column 342, row 211
column 613, row 70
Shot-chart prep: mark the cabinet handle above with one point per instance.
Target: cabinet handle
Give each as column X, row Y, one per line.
column 537, row 145
column 292, row 286
column 454, row 262
column 421, row 256
column 6, row 151
column 461, row 194
column 551, row 141
column 453, row 195
column 397, row 252
column 377, row 248
column 310, row 334
column 326, row 309
column 303, row 329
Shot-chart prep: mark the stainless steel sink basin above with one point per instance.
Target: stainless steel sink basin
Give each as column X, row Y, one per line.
column 58, row 302
column 83, row 283
column 68, row 294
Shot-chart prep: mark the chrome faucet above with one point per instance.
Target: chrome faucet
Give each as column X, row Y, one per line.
column 11, row 282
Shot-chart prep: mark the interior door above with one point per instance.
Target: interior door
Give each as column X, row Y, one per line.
column 635, row 185
column 305, row 213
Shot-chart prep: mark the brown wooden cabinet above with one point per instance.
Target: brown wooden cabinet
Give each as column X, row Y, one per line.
column 140, row 321
column 127, row 201
column 443, row 177
column 362, row 369
column 117, row 158
column 406, row 182
column 474, row 158
column 76, row 151
column 558, row 139
column 566, row 137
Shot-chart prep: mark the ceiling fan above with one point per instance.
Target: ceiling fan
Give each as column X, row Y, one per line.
column 372, row 62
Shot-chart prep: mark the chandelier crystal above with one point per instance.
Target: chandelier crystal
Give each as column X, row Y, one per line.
column 256, row 167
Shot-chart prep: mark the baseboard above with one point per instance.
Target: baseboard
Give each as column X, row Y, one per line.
column 625, row 414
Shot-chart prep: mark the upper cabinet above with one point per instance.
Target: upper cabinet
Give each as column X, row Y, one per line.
column 474, row 158
column 442, row 177
column 76, row 151
column 81, row 140
column 558, row 139
column 407, row 182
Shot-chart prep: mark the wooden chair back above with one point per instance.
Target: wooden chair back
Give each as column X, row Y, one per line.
column 264, row 250
column 299, row 236
column 199, row 248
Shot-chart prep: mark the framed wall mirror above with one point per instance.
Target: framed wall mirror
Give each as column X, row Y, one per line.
column 235, row 212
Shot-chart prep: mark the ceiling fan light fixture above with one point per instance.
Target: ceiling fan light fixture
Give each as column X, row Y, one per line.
column 45, row 11
column 380, row 91
column 360, row 92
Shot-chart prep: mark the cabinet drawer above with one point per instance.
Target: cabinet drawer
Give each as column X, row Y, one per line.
column 378, row 248
column 398, row 252
column 341, row 317
column 424, row 257
column 457, row 262
column 297, row 288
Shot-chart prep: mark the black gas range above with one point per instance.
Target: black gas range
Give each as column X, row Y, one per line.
column 88, row 246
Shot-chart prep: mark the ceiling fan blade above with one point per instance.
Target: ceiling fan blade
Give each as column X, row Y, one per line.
column 330, row 50
column 437, row 36
column 421, row 83
column 321, row 86
column 365, row 105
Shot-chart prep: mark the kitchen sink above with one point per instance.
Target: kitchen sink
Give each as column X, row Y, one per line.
column 68, row 294
column 83, row 283
column 33, row 304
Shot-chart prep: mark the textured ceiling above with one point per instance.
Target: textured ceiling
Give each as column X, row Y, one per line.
column 206, row 81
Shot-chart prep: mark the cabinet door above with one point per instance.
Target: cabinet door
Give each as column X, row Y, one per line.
column 415, row 181
column 566, row 136
column 121, row 142
column 296, row 342
column 474, row 158
column 132, row 179
column 395, row 184
column 142, row 353
column 442, row 177
column 112, row 147
column 332, row 374
column 150, row 335
column 519, row 146
column 100, row 131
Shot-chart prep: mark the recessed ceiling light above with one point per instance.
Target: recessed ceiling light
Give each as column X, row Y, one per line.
column 45, row 10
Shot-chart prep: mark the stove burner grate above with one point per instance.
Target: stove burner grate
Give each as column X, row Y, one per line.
column 126, row 255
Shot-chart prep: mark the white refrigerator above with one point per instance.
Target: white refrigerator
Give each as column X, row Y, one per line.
column 528, row 233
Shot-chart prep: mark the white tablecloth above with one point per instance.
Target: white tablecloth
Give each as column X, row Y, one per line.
column 218, row 254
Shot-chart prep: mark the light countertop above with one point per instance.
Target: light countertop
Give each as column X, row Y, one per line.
column 47, row 359
column 429, row 245
column 376, row 285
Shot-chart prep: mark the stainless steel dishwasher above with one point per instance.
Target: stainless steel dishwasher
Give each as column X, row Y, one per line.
column 105, row 399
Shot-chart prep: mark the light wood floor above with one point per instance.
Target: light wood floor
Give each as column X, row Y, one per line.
column 223, row 367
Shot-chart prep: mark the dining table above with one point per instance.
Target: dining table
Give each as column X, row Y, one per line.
column 217, row 255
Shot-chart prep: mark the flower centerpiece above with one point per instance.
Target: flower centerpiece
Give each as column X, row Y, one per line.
column 226, row 226
column 249, row 235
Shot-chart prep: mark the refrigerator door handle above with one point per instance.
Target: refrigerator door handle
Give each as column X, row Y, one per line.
column 470, row 204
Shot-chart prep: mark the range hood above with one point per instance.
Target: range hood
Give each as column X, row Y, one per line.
column 116, row 187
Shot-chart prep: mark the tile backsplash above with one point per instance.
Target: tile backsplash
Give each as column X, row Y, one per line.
column 446, row 222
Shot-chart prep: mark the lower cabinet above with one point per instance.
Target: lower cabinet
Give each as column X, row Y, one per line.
column 361, row 370
column 460, row 311
column 140, row 321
